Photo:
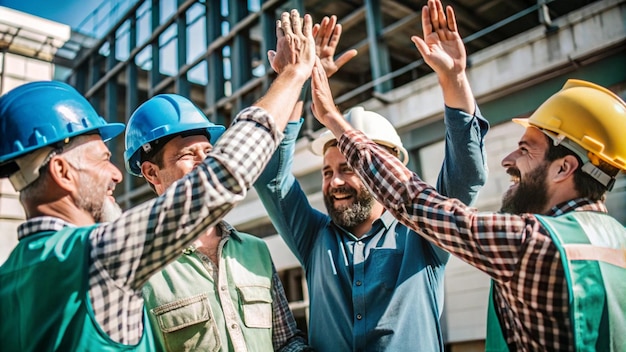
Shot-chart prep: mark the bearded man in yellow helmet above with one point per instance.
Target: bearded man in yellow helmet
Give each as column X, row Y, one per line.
column 556, row 258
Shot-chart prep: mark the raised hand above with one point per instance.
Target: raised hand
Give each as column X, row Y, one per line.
column 323, row 106
column 295, row 45
column 443, row 50
column 327, row 34
column 442, row 46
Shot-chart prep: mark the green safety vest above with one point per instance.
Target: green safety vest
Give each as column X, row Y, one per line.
column 593, row 252
column 191, row 312
column 44, row 301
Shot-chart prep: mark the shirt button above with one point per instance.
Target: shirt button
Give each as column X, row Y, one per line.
column 223, row 288
column 234, row 326
column 359, row 283
column 359, row 316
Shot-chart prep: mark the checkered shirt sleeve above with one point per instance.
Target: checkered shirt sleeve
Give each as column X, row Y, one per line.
column 515, row 250
column 144, row 239
column 286, row 337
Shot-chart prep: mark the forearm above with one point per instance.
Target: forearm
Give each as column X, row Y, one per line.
column 457, row 92
column 464, row 169
column 280, row 100
column 280, row 194
column 146, row 238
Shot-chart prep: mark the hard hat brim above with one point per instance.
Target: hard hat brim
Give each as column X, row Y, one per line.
column 317, row 146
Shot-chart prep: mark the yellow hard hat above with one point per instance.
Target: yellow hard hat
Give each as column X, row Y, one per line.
column 585, row 115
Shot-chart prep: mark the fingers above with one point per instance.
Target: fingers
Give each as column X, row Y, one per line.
column 316, row 29
column 285, row 22
column 330, row 28
column 296, row 23
column 321, row 28
column 441, row 16
column 307, row 29
column 434, row 15
column 279, row 30
column 451, row 19
column 333, row 41
column 427, row 26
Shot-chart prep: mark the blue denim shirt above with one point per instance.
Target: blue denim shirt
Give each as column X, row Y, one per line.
column 385, row 290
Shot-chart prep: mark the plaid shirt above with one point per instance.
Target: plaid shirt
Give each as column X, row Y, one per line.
column 530, row 288
column 126, row 252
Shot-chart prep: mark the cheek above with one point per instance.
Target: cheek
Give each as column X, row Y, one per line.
column 325, row 186
column 354, row 181
column 184, row 167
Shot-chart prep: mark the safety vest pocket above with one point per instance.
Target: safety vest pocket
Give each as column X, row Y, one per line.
column 187, row 325
column 257, row 306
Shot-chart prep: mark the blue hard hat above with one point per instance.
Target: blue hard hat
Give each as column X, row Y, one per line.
column 43, row 113
column 164, row 115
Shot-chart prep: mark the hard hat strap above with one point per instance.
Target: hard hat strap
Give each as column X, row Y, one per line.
column 588, row 167
column 29, row 166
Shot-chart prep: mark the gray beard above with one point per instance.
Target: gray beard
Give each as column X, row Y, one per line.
column 349, row 216
column 111, row 211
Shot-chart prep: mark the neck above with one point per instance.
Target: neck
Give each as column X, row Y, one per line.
column 63, row 209
column 208, row 243
column 560, row 195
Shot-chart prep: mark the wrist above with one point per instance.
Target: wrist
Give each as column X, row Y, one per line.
column 295, row 75
column 305, row 93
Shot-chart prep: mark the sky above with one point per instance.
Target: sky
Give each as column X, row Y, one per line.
column 70, row 12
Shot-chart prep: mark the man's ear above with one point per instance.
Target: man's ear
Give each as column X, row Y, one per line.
column 62, row 173
column 150, row 172
column 566, row 167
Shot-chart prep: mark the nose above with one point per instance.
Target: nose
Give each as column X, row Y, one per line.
column 116, row 174
column 509, row 160
column 337, row 181
column 200, row 155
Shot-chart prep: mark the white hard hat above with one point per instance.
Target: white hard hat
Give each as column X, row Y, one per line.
column 374, row 126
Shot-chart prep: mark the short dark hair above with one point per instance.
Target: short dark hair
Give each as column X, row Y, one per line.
column 586, row 185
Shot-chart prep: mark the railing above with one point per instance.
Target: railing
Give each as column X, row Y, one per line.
column 104, row 17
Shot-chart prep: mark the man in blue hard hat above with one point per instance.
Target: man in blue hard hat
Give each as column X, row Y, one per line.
column 73, row 283
column 225, row 278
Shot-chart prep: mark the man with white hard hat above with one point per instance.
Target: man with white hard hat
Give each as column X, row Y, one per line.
column 555, row 256
column 374, row 284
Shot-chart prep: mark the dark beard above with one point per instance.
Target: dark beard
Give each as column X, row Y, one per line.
column 530, row 195
column 349, row 216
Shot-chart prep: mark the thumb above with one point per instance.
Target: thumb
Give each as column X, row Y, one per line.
column 271, row 54
column 421, row 46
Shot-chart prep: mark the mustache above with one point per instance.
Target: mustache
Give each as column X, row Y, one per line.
column 342, row 189
column 513, row 171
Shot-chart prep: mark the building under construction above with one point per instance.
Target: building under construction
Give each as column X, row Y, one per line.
column 214, row 52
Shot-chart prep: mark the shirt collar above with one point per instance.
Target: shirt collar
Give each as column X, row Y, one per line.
column 226, row 231
column 577, row 204
column 386, row 219
column 41, row 224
